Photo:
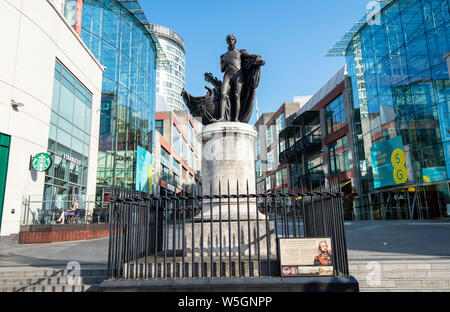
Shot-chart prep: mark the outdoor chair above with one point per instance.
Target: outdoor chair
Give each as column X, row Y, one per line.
column 79, row 215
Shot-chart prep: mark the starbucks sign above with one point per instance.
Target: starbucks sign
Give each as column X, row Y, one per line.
column 41, row 162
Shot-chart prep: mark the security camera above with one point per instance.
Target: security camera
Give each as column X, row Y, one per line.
column 15, row 104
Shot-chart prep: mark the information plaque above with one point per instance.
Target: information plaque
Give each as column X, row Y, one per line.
column 306, row 256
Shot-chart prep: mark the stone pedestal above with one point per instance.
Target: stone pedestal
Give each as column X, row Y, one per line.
column 231, row 238
column 228, row 159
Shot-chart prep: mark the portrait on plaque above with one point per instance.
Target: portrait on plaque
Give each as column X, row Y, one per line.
column 306, row 256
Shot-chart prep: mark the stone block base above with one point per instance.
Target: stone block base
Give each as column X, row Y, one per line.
column 269, row 284
column 231, row 238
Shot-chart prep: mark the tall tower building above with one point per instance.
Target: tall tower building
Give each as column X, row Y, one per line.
column 170, row 81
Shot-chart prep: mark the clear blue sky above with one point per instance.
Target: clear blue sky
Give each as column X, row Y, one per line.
column 292, row 36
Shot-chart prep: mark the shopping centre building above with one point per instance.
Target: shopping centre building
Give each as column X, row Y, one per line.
column 392, row 109
column 119, row 35
column 50, row 98
column 78, row 108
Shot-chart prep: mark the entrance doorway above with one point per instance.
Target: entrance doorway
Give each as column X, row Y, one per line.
column 74, row 193
column 5, row 141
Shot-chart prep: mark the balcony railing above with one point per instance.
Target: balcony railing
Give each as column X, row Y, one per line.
column 307, row 143
column 170, row 179
column 38, row 211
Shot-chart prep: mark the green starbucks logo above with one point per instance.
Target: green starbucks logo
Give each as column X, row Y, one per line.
column 41, row 162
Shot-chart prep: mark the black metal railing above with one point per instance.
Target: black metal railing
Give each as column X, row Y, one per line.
column 160, row 237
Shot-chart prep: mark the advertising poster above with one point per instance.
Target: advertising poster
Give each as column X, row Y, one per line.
column 143, row 170
column 389, row 163
column 434, row 174
column 306, row 257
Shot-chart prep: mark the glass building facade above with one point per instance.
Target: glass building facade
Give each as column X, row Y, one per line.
column 401, row 113
column 121, row 42
column 69, row 141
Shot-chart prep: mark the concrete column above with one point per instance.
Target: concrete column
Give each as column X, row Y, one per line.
column 78, row 16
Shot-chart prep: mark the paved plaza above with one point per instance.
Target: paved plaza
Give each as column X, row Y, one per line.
column 371, row 240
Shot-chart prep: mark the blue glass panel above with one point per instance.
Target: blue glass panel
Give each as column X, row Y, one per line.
column 398, row 65
column 394, row 31
column 417, row 56
column 412, row 21
column 402, row 98
column 423, row 91
column 446, row 147
column 77, row 146
column 110, row 28
column 109, row 59
column 135, row 45
column 440, row 72
column 442, row 88
column 58, row 66
column 404, row 4
column 371, row 83
column 438, row 44
column 133, row 77
column 79, row 113
column 63, row 138
column 125, row 36
column 55, row 98
column 374, row 107
column 379, row 44
column 444, row 119
column 123, row 102
column 66, row 103
column 92, row 17
column 92, row 42
column 65, row 125
column 78, row 133
column 368, row 54
column 52, row 134
column 124, row 73
column 384, row 83
column 435, row 13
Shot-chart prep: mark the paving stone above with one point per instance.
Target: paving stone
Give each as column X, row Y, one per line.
column 408, row 284
column 440, row 266
column 438, row 275
column 435, row 284
column 418, row 266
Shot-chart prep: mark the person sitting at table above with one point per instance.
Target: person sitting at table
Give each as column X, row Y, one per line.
column 70, row 213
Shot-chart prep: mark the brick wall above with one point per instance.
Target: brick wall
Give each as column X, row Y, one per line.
column 59, row 233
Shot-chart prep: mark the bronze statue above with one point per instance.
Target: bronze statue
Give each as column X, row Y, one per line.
column 232, row 99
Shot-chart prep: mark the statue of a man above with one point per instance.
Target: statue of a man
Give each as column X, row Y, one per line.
column 230, row 65
column 232, row 99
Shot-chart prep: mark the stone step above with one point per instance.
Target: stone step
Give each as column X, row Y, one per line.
column 50, row 288
column 404, row 275
column 45, row 280
column 405, row 284
column 390, row 266
column 46, row 272
column 401, row 290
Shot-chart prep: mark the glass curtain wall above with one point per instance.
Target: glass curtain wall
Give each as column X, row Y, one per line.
column 124, row 46
column 401, row 88
column 68, row 143
column 335, row 115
